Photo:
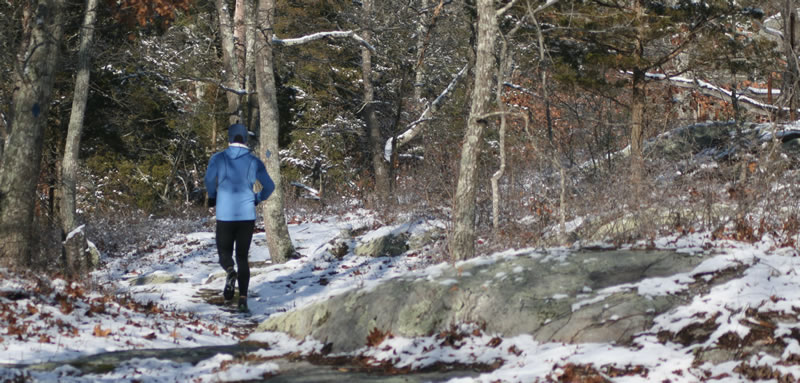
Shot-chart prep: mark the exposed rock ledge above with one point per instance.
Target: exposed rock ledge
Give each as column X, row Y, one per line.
column 586, row 296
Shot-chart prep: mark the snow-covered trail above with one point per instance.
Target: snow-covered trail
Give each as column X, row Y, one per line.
column 58, row 321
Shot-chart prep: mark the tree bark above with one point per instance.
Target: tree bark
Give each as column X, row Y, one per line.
column 462, row 243
column 229, row 59
column 69, row 168
column 21, row 159
column 791, row 78
column 278, row 240
column 239, row 41
column 373, row 128
column 3, row 137
column 251, row 114
column 419, row 69
column 637, row 100
column 637, row 127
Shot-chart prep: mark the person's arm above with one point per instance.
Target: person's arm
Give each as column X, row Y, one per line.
column 210, row 180
column 267, row 186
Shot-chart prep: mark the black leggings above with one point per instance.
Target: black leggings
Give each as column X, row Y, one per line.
column 240, row 233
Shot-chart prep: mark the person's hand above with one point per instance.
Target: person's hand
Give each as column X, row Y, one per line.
column 212, row 202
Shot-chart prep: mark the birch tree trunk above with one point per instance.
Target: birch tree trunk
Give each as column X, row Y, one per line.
column 229, row 59
column 69, row 170
column 462, row 245
column 278, row 241
column 373, row 129
column 19, row 174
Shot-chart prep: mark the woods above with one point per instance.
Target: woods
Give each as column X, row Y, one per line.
column 500, row 117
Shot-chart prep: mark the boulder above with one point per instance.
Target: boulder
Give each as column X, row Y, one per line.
column 651, row 220
column 396, row 240
column 583, row 297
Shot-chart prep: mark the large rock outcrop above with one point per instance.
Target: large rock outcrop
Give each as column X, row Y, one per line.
column 570, row 297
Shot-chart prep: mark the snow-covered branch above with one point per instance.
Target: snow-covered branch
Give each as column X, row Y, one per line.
column 770, row 31
column 505, row 9
column 321, row 35
column 712, row 90
column 519, row 88
column 415, row 127
column 545, row 5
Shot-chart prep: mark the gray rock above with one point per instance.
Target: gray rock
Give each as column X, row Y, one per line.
column 553, row 298
column 393, row 241
column 381, row 246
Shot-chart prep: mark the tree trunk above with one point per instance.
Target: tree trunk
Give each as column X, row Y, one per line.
column 239, row 41
column 278, row 241
column 251, row 114
column 419, row 69
column 69, row 168
column 229, row 59
column 503, row 68
column 637, row 127
column 373, row 128
column 637, row 100
column 462, row 244
column 3, row 137
column 791, row 78
column 22, row 157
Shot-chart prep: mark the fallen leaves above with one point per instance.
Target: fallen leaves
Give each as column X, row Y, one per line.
column 377, row 337
column 100, row 332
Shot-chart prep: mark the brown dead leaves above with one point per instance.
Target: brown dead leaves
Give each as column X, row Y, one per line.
column 101, row 332
column 376, row 337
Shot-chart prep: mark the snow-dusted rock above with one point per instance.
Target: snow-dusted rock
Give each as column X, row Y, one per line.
column 396, row 240
column 586, row 297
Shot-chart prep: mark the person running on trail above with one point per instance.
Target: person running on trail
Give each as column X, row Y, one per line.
column 229, row 181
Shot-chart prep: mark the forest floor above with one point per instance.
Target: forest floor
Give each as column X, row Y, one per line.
column 157, row 316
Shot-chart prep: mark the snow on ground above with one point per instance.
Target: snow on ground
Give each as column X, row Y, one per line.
column 45, row 321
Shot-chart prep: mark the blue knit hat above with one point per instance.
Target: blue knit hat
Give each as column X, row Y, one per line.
column 237, row 130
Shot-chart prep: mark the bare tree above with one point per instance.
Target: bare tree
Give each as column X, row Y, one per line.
column 230, row 59
column 373, row 128
column 638, row 98
column 462, row 242
column 75, row 245
column 34, row 68
column 791, row 78
column 502, row 70
column 278, row 240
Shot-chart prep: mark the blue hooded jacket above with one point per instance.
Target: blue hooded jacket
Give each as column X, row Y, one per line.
column 230, row 177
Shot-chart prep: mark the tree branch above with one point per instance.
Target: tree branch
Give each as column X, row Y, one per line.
column 321, row 35
column 548, row 3
column 415, row 127
column 505, row 9
column 709, row 89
